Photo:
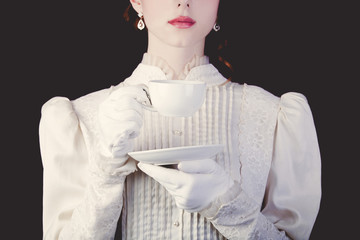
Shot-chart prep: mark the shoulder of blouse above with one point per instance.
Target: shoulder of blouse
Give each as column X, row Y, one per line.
column 256, row 93
column 293, row 101
column 287, row 102
column 58, row 129
column 295, row 113
column 62, row 113
column 295, row 110
column 257, row 100
column 57, row 114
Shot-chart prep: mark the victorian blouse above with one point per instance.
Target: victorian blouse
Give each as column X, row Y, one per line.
column 270, row 150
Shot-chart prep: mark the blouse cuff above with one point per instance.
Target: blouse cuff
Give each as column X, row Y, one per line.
column 227, row 200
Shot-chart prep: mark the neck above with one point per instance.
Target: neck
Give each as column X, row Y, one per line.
column 175, row 56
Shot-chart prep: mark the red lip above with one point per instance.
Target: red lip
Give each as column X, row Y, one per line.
column 182, row 22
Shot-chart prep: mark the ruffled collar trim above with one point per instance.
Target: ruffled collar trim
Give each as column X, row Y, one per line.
column 155, row 68
column 170, row 73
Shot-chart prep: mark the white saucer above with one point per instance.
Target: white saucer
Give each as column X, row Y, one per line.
column 174, row 155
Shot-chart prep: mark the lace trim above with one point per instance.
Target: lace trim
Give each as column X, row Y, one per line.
column 97, row 215
column 211, row 211
column 241, row 219
column 266, row 230
column 256, row 135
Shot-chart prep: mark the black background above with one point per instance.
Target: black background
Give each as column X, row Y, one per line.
column 73, row 48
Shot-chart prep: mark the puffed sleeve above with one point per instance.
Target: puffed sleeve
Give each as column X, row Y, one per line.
column 293, row 191
column 78, row 203
column 64, row 159
column 294, row 184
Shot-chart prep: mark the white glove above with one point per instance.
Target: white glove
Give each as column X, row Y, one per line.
column 120, row 119
column 194, row 185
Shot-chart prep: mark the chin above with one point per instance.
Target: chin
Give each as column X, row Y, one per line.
column 181, row 40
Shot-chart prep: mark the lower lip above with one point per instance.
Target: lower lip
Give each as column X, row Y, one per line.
column 182, row 25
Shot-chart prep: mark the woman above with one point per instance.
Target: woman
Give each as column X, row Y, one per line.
column 265, row 184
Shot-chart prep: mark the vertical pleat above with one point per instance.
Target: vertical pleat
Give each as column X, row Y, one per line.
column 191, row 227
column 190, row 132
column 195, row 226
column 136, row 209
column 209, row 114
column 164, row 132
column 196, row 126
column 224, row 132
column 229, row 125
column 168, row 220
column 162, row 208
column 217, row 118
column 149, row 211
column 201, row 232
column 162, row 212
column 170, row 131
column 203, row 123
column 156, row 214
column 183, row 129
column 226, row 128
column 207, row 232
column 143, row 209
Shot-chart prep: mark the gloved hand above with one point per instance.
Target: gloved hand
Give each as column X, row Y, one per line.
column 120, row 119
column 194, row 185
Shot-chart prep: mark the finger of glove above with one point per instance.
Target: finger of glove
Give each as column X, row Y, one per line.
column 117, row 128
column 167, row 177
column 127, row 130
column 122, row 149
column 134, row 129
column 198, row 166
column 135, row 92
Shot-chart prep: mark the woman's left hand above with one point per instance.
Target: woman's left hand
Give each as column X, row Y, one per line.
column 194, row 185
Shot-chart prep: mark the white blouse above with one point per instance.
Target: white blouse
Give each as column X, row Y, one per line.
column 271, row 151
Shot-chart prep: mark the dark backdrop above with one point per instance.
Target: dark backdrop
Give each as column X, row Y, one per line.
column 73, row 48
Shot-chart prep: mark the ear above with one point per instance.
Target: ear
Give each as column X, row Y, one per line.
column 136, row 4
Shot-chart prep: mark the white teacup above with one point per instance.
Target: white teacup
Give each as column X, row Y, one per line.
column 176, row 98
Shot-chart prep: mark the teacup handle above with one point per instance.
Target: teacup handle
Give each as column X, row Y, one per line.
column 148, row 107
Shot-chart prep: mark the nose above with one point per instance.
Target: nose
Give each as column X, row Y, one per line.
column 184, row 3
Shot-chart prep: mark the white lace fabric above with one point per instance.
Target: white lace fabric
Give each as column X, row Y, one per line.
column 241, row 218
column 85, row 192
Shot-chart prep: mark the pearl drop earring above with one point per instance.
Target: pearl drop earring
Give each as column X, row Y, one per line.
column 141, row 24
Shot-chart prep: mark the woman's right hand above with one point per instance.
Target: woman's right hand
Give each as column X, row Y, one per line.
column 121, row 118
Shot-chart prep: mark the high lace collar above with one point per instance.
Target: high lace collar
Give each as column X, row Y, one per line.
column 170, row 73
column 155, row 68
